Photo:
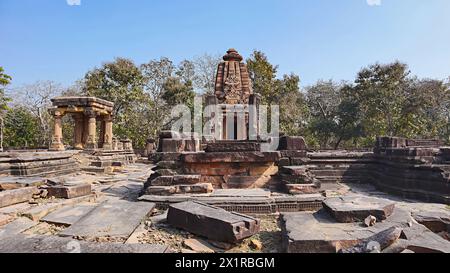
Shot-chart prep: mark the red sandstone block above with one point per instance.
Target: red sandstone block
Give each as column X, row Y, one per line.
column 69, row 192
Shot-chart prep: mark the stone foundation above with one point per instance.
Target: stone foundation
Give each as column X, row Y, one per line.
column 38, row 163
column 394, row 167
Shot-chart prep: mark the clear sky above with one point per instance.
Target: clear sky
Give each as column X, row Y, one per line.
column 316, row 39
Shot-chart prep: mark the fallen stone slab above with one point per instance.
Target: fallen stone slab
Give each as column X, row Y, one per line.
column 17, row 226
column 199, row 246
column 69, row 191
column 377, row 242
column 138, row 233
column 15, row 209
column 350, row 209
column 212, row 222
column 305, row 232
column 53, row 244
column 68, row 215
column 12, row 197
column 4, row 219
column 435, row 221
column 422, row 240
column 419, row 239
column 113, row 218
column 37, row 212
column 12, row 183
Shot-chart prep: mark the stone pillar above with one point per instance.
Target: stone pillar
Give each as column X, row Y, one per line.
column 108, row 134
column 101, row 136
column 78, row 132
column 57, row 144
column 254, row 119
column 91, row 142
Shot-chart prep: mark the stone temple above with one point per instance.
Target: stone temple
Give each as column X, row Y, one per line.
column 217, row 192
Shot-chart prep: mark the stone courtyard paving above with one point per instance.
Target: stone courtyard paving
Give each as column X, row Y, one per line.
column 111, row 219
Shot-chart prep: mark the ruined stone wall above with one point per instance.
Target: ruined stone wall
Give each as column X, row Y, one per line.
column 394, row 167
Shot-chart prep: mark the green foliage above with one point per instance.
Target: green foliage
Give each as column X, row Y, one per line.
column 4, row 81
column 178, row 92
column 21, row 129
column 120, row 81
column 263, row 76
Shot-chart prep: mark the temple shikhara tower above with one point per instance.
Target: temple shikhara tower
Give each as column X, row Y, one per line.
column 233, row 95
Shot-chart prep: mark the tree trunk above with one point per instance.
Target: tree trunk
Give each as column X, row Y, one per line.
column 1, row 134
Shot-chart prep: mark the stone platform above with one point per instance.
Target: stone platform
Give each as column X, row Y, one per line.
column 42, row 163
column 254, row 201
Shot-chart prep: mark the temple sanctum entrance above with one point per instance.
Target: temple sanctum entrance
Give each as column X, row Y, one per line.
column 86, row 112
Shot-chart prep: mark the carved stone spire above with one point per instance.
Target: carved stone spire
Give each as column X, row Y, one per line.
column 233, row 85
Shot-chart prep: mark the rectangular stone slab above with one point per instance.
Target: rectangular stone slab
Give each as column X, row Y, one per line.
column 212, row 222
column 15, row 227
column 11, row 197
column 69, row 192
column 356, row 209
column 68, row 215
column 52, row 244
column 11, row 183
column 115, row 218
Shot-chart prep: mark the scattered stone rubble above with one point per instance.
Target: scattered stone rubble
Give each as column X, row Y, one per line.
column 338, row 228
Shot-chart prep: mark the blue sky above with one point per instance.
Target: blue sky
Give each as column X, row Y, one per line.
column 316, row 39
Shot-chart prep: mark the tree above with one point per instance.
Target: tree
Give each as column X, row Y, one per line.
column 205, row 68
column 426, row 112
column 21, row 128
column 36, row 98
column 263, row 75
column 178, row 92
column 4, row 81
column 293, row 108
column 156, row 74
column 121, row 82
column 381, row 91
column 323, row 101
